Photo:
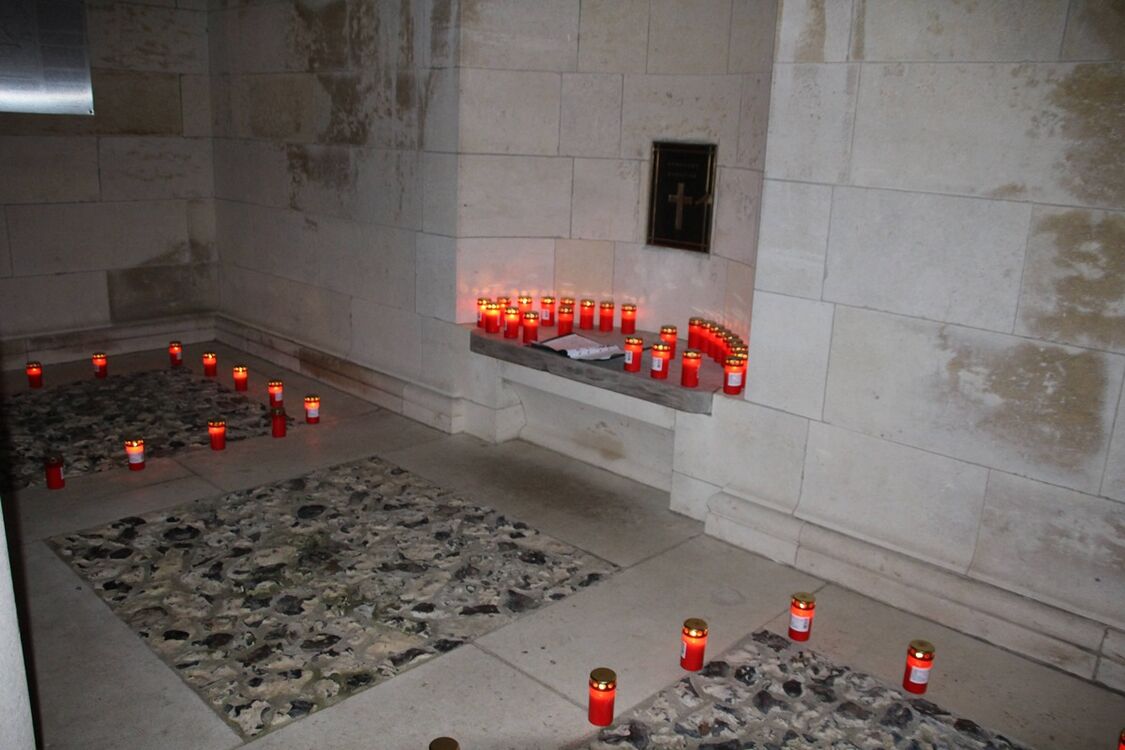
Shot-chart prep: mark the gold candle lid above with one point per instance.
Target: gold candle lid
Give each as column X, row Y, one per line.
column 32, row 364
column 588, row 303
column 603, row 678
column 272, row 383
column 511, row 311
column 693, row 354
column 667, row 329
column 216, row 423
column 524, row 299
column 99, row 355
column 566, row 309
column 175, row 344
column 210, row 355
column 629, row 306
column 922, row 649
column 445, row 743
column 134, row 443
column 530, row 315
column 634, row 341
column 804, row 600
column 696, row 321
column 483, row 300
column 567, row 301
column 312, row 398
column 548, row 300
column 695, row 627
column 607, row 303
column 240, row 368
column 662, row 347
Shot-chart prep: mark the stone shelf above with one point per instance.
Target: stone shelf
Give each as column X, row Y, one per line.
column 608, row 374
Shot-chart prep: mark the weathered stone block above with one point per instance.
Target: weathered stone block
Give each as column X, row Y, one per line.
column 753, row 122
column 514, row 196
column 146, row 292
column 752, row 29
column 435, row 279
column 48, row 169
column 516, row 35
column 812, row 31
column 439, row 193
column 810, row 130
column 793, row 238
column 195, row 99
column 668, row 285
column 52, row 302
column 143, row 37
column 688, row 37
column 614, row 36
column 606, row 199
column 591, row 115
column 494, row 267
column 440, row 105
column 386, row 338
column 680, row 108
column 789, row 343
column 252, row 172
column 584, row 268
column 738, row 297
column 1113, row 483
column 509, row 112
column 1095, row 30
column 147, row 168
column 738, row 203
column 5, row 253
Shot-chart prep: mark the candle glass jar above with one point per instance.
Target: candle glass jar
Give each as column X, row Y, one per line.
column 566, row 320
column 210, row 364
column 603, row 692
column 634, row 352
column 919, row 662
column 694, row 333
column 34, row 372
column 628, row 318
column 312, row 409
column 53, row 471
column 690, row 363
column 605, row 316
column 512, row 323
column 276, row 390
column 693, row 644
column 492, row 319
column 661, row 359
column 530, row 327
column 734, row 369
column 135, row 453
column 524, row 303
column 101, row 365
column 668, row 336
column 482, row 309
column 547, row 311
column 802, row 608
column 586, row 315
column 241, row 375
column 175, row 354
column 277, row 422
column 217, row 432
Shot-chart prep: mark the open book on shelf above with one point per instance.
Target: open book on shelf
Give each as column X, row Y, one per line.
column 579, row 347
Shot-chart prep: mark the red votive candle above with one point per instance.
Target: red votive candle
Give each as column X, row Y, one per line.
column 693, row 644
column 1121, row 741
column 634, row 352
column 175, row 354
column 694, row 333
column 217, row 430
column 276, row 390
column 734, row 375
column 34, row 375
column 482, row 310
column 628, row 318
column 241, row 375
column 504, row 302
column 586, row 315
column 53, row 469
column 919, row 662
column 605, row 315
column 802, row 608
column 135, row 452
column 566, row 320
column 524, row 303
column 567, row 302
column 312, row 408
column 101, row 365
column 512, row 323
column 277, row 422
column 210, row 364
column 492, row 318
column 530, row 327
column 689, row 368
column 668, row 336
column 603, row 691
column 547, row 311
column 661, row 359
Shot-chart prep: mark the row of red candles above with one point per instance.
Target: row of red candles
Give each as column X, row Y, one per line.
column 216, row 428
column 693, row 645
column 705, row 337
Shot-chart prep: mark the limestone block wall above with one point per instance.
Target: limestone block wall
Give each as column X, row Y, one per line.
column 934, row 411
column 109, row 219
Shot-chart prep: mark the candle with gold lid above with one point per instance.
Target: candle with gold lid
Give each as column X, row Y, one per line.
column 668, row 335
column 566, row 320
column 101, row 364
column 605, row 315
column 919, row 662
column 210, row 364
column 53, row 470
column 661, row 361
column 628, row 318
column 530, row 327
column 135, row 452
column 547, row 311
column 524, row 303
column 511, row 322
column 493, row 318
column 175, row 354
column 217, row 432
column 312, row 409
column 586, row 314
column 694, row 330
column 241, row 375
column 693, row 644
column 276, row 390
column 634, row 352
column 603, row 691
column 734, row 375
column 278, row 422
column 802, row 608
column 690, row 363
column 482, row 308
column 34, row 372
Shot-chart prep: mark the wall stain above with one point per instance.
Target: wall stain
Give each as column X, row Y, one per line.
column 349, row 121
column 1092, row 102
column 1107, row 19
column 1043, row 399
column 859, row 30
column 1089, row 296
column 1009, row 190
column 329, row 167
column 319, row 33
column 810, row 44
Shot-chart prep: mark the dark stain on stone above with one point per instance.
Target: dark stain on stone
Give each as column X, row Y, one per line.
column 1089, row 295
column 1091, row 99
column 1107, row 20
column 349, row 121
column 859, row 41
column 441, row 26
column 810, row 44
column 321, row 165
column 1043, row 399
column 147, row 291
column 320, row 33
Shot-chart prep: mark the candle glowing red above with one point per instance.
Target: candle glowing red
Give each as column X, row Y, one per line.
column 277, row 422
column 661, row 359
column 586, row 314
column 695, row 333
column 605, row 316
column 276, row 389
column 135, row 452
column 734, row 375
column 802, row 609
column 101, row 365
column 547, row 311
column 492, row 318
column 634, row 352
column 603, row 691
column 693, row 644
column 175, row 353
column 210, row 364
column 668, row 336
column 53, row 468
column 482, row 310
column 312, row 408
column 530, row 327
column 919, row 662
column 217, row 430
column 512, row 323
column 524, row 303
column 1121, row 741
column 34, row 375
column 690, row 362
column 566, row 320
column 628, row 318
column 241, row 375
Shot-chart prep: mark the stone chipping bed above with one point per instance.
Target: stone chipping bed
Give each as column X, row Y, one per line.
column 88, row 421
column 767, row 693
column 278, row 601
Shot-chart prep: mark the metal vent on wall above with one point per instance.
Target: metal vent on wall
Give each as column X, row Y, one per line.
column 44, row 61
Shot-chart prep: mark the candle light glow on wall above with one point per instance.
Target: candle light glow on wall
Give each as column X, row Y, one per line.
column 566, row 319
column 53, row 469
column 276, row 389
column 277, row 422
column 492, row 318
column 802, row 609
column 547, row 311
column 175, row 354
column 210, row 364
column 634, row 352
column 605, row 315
column 919, row 662
column 482, row 310
column 34, row 372
column 693, row 644
column 217, row 431
column 241, row 375
column 628, row 318
column 603, row 692
column 690, row 362
column 101, row 364
column 135, row 452
column 312, row 408
column 661, row 359
column 530, row 327
column 511, row 323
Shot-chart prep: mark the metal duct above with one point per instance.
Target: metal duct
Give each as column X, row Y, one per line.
column 44, row 61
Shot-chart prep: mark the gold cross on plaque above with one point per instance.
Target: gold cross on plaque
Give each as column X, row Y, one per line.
column 680, row 200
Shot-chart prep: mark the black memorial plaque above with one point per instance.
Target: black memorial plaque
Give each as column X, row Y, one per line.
column 682, row 195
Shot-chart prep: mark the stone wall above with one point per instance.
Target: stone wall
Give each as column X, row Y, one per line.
column 939, row 320
column 109, row 219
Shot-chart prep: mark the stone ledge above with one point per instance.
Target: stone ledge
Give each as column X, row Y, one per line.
column 607, row 374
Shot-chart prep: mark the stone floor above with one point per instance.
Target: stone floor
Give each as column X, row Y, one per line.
column 524, row 684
